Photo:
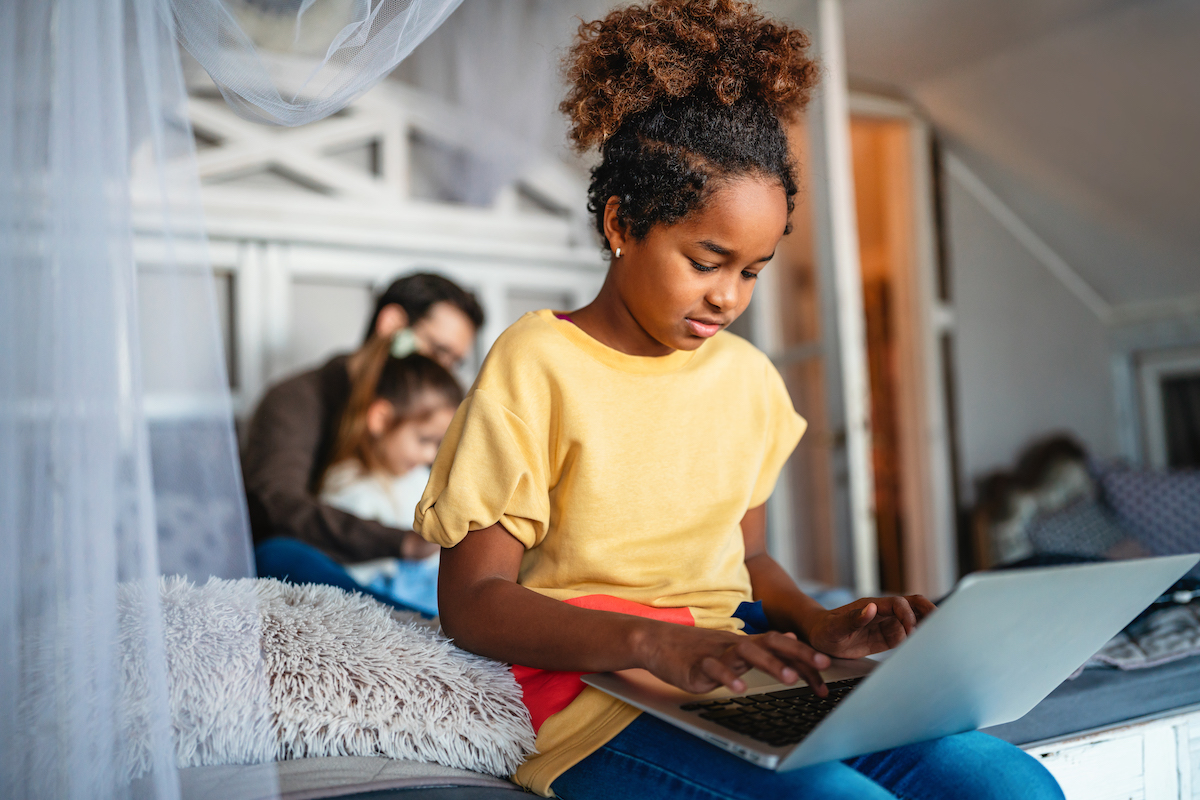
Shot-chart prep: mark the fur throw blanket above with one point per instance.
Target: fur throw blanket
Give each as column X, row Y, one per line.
column 260, row 670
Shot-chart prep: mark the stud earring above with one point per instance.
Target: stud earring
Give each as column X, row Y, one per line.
column 618, row 253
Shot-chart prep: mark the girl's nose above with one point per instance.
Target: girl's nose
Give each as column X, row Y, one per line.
column 722, row 294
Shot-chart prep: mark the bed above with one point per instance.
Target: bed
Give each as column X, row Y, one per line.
column 1102, row 698
column 1115, row 734
column 1106, row 733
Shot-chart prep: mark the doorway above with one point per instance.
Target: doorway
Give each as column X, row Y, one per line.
column 905, row 319
column 883, row 202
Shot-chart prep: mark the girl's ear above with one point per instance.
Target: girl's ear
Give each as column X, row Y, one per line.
column 379, row 417
column 614, row 229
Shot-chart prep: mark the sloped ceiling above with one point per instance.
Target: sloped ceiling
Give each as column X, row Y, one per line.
column 1082, row 115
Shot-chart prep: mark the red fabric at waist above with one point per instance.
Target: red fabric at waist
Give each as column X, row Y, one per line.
column 545, row 692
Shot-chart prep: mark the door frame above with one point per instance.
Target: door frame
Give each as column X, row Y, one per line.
column 927, row 479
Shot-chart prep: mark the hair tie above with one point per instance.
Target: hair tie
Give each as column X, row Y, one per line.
column 404, row 343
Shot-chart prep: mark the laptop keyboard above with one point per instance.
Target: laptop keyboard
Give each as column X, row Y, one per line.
column 778, row 718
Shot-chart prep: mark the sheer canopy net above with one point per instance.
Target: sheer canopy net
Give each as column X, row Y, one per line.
column 118, row 461
column 497, row 63
column 289, row 62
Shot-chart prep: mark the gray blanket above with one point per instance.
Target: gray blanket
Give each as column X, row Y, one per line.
column 1166, row 635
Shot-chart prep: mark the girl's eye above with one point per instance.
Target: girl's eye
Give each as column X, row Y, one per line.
column 748, row 275
column 701, row 268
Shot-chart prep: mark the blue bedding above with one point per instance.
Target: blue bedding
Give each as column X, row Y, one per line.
column 1101, row 697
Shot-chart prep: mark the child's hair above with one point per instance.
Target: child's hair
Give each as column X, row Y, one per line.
column 679, row 95
column 415, row 385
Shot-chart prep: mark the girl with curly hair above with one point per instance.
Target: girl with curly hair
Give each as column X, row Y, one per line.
column 600, row 493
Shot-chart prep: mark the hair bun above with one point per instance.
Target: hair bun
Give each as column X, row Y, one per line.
column 644, row 54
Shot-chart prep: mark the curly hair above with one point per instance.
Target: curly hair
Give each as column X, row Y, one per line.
column 680, row 95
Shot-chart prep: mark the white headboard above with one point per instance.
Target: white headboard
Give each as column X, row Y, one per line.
column 305, row 224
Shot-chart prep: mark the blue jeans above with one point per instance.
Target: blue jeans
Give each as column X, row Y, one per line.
column 651, row 760
column 296, row 562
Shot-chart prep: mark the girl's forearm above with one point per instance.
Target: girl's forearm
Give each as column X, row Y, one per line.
column 505, row 621
column 485, row 611
column 787, row 608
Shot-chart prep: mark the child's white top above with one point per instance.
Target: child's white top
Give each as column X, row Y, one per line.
column 390, row 500
column 372, row 495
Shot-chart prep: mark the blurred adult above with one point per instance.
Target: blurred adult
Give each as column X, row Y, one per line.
column 291, row 435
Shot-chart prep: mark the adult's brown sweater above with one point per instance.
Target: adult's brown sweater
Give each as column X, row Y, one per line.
column 287, row 448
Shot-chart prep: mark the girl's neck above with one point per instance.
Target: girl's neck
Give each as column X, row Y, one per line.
column 608, row 320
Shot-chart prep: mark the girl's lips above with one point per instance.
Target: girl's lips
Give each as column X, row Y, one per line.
column 702, row 329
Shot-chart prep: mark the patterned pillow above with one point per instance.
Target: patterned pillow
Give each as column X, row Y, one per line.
column 1084, row 528
column 1161, row 509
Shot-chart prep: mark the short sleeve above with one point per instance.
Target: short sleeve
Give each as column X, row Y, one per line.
column 784, row 429
column 490, row 468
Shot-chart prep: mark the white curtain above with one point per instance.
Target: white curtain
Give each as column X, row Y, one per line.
column 117, row 454
column 498, row 63
column 82, row 91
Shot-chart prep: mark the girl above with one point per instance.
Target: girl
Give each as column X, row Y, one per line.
column 600, row 492
column 400, row 406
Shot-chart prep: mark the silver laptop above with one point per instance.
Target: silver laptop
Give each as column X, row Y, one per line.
column 998, row 645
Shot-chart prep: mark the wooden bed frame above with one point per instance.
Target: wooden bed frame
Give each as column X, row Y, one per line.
column 1156, row 757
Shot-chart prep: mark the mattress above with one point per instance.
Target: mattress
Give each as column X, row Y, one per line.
column 1100, row 697
column 345, row 777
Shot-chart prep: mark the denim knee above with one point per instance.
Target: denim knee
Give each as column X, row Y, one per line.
column 969, row 765
column 1025, row 777
column 994, row 769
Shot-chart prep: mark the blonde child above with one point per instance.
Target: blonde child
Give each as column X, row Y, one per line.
column 600, row 493
column 400, row 406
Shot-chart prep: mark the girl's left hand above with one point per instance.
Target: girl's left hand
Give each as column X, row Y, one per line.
column 866, row 626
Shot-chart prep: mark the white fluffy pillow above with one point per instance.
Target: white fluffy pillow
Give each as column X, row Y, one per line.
column 343, row 677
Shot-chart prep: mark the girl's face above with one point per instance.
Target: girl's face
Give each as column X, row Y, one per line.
column 684, row 282
column 412, row 443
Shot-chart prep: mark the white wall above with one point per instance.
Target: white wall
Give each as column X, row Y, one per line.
column 1030, row 358
column 1089, row 109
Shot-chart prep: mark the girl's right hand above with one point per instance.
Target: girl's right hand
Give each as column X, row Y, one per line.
column 698, row 660
column 414, row 548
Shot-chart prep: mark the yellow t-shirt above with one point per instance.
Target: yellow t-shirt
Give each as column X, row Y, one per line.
column 624, row 476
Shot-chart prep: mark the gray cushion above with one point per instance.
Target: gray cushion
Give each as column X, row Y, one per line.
column 1084, row 528
column 1161, row 509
